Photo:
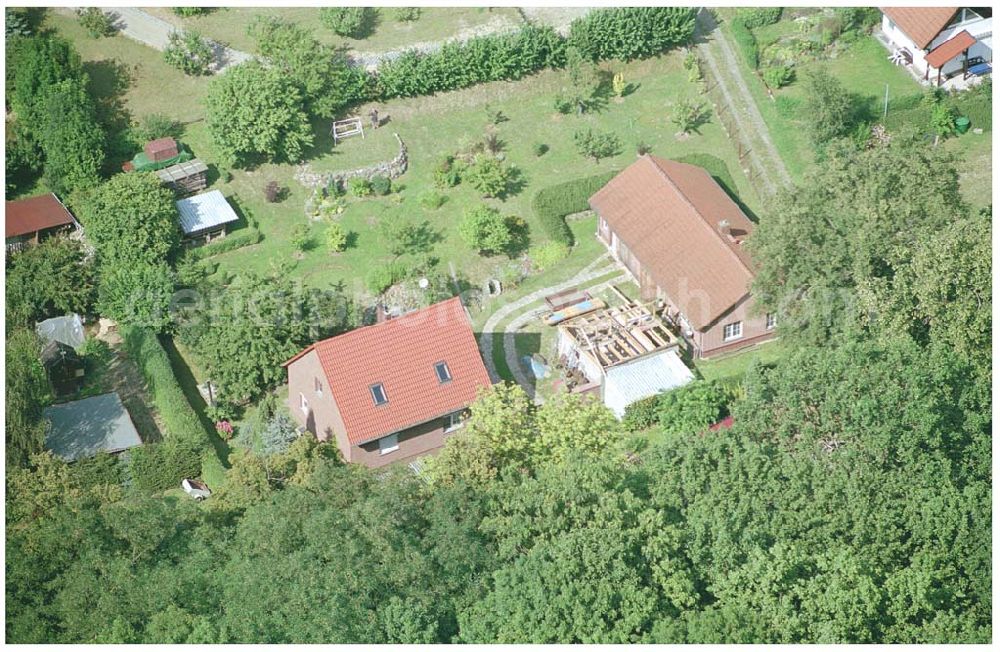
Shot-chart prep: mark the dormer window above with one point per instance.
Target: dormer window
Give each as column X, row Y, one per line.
column 378, row 394
column 442, row 371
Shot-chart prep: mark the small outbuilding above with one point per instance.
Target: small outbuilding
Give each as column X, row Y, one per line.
column 67, row 329
column 84, row 428
column 205, row 217
column 63, row 366
column 186, row 177
column 28, row 221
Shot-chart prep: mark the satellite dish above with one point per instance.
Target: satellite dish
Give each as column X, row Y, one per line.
column 423, row 283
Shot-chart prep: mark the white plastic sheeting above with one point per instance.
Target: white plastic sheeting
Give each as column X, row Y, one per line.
column 625, row 384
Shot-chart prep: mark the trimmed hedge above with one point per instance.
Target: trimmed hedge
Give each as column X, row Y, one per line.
column 628, row 33
column 624, row 33
column 760, row 16
column 159, row 466
column 501, row 57
column 233, row 241
column 746, row 43
column 551, row 205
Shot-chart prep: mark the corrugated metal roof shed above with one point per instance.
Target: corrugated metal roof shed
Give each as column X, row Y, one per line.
column 67, row 329
column 625, row 384
column 204, row 212
column 84, row 428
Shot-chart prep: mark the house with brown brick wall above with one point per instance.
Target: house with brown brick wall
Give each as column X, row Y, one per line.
column 681, row 237
column 392, row 391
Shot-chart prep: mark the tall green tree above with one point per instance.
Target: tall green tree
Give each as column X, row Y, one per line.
column 326, row 81
column 26, row 394
column 51, row 279
column 256, row 112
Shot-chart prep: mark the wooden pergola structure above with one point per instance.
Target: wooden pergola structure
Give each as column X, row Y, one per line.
column 618, row 335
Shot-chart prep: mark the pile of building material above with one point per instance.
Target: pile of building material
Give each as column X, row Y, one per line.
column 186, row 177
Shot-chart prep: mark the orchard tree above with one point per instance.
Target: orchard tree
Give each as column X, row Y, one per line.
column 327, row 83
column 256, row 112
column 829, row 107
column 597, row 144
column 188, row 52
column 484, row 229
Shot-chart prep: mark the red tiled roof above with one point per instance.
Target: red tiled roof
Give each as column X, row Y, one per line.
column 950, row 49
column 667, row 213
column 921, row 24
column 401, row 354
column 25, row 216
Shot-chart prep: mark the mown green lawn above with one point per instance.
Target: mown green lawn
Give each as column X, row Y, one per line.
column 975, row 166
column 863, row 70
column 229, row 25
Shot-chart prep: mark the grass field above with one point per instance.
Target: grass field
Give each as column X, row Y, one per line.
column 229, row 25
column 136, row 78
column 975, row 166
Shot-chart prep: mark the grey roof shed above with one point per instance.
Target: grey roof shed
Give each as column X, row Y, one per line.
column 84, row 428
column 205, row 212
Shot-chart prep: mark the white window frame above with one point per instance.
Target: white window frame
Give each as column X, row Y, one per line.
column 385, row 394
column 303, row 404
column 318, row 386
column 454, row 421
column 737, row 326
column 770, row 320
column 388, row 444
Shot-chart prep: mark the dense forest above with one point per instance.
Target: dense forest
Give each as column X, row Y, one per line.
column 850, row 502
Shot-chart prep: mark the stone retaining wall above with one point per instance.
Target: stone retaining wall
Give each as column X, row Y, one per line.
column 392, row 169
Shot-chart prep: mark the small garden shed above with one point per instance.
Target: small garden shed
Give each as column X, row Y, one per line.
column 205, row 217
column 63, row 366
column 84, row 428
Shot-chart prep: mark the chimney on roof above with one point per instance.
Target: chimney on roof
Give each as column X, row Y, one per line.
column 724, row 228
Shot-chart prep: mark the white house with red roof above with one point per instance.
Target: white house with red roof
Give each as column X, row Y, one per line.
column 392, row 391
column 940, row 42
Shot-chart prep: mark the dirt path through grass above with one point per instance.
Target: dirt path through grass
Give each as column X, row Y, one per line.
column 717, row 52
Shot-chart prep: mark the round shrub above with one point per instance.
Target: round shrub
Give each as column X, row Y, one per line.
column 353, row 22
column 447, row 173
column 489, row 176
column 360, row 187
column 548, row 254
column 777, row 76
column 540, row 149
column 487, row 231
column 336, row 237
column 381, row 185
column 432, row 200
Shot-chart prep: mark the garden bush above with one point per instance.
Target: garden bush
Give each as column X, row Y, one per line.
column 381, row 278
column 232, row 242
column 336, row 237
column 546, row 255
column 381, row 185
column 406, row 14
column 628, row 33
column 642, row 414
column 96, row 22
column 745, row 42
column 501, row 57
column 160, row 466
column 540, row 149
column 188, row 12
column 353, row 22
column 432, row 200
column 759, row 16
column 360, row 187
column 551, row 205
column 448, row 173
column 692, row 408
column 777, row 76
column 596, row 144
column 489, row 176
column 102, row 469
column 487, row 231
column 188, row 52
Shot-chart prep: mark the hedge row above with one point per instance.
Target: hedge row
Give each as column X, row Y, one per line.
column 745, row 42
column 551, row 205
column 159, row 466
column 628, row 33
column 621, row 33
column 233, row 241
column 760, row 16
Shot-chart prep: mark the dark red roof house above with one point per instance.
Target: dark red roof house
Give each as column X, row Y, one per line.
column 26, row 221
column 392, row 391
